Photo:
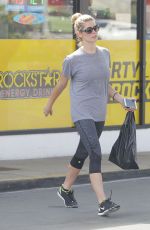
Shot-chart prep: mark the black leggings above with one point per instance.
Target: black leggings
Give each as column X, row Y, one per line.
column 89, row 145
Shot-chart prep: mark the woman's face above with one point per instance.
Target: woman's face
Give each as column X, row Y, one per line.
column 89, row 32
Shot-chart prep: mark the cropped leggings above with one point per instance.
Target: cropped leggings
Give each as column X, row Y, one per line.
column 89, row 145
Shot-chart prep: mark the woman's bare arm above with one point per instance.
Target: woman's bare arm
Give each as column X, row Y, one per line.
column 55, row 94
column 115, row 95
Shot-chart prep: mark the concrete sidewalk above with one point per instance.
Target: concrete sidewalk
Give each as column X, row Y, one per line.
column 50, row 172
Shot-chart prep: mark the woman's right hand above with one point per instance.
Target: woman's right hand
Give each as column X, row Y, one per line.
column 48, row 110
column 54, row 95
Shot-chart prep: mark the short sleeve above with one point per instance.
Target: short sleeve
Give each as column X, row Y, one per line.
column 67, row 70
column 109, row 59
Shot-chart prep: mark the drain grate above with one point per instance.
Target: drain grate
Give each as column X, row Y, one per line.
column 7, row 169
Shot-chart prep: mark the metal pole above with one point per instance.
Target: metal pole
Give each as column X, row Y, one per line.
column 141, row 24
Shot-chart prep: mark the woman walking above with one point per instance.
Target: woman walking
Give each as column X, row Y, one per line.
column 88, row 69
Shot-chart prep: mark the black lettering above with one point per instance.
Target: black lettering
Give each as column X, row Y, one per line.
column 116, row 86
column 126, row 64
column 135, row 68
column 147, row 91
column 126, row 89
column 129, row 88
column 116, row 68
column 135, row 90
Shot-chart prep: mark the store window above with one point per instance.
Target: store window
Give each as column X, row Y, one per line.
column 117, row 19
column 148, row 20
column 35, row 19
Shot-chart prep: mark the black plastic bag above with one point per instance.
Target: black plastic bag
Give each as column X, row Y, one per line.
column 124, row 151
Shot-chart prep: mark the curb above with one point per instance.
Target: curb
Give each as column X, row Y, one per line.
column 18, row 185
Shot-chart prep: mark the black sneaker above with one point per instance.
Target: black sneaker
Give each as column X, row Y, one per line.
column 107, row 207
column 67, row 197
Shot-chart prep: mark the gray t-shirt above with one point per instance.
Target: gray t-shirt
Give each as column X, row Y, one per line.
column 89, row 74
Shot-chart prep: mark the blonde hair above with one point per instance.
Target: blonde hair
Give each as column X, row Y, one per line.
column 78, row 21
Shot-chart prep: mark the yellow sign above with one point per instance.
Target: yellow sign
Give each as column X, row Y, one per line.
column 30, row 69
column 124, row 76
column 147, row 90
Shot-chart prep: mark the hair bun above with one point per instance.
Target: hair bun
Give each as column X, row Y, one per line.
column 75, row 17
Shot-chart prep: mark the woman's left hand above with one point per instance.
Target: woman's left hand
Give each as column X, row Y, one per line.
column 131, row 109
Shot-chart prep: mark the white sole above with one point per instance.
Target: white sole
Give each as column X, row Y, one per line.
column 107, row 212
column 104, row 213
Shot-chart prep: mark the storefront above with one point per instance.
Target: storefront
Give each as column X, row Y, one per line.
column 36, row 35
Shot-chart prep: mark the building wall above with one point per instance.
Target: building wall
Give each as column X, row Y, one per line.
column 62, row 144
